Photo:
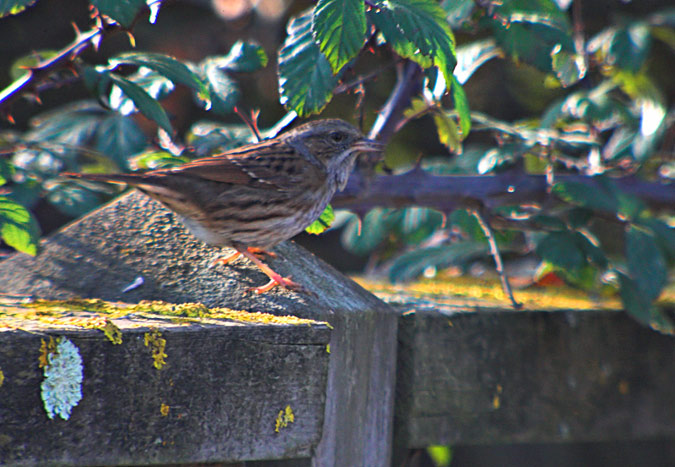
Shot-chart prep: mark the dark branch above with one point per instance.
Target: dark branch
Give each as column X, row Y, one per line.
column 447, row 193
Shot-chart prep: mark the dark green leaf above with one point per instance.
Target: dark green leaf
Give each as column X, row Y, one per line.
column 306, row 80
column 122, row 11
column 169, row 67
column 73, row 199
column 244, row 57
column 6, row 171
column 13, row 7
column 561, row 249
column 568, row 67
column 119, row 138
column 72, row 125
column 223, row 90
column 339, row 27
column 663, row 234
column 373, row 230
column 462, row 107
column 208, row 138
column 418, row 30
column 592, row 252
column 324, row 221
column 458, row 11
column 626, row 48
column 548, row 222
column 642, row 309
column 645, row 262
column 18, row 227
column 412, row 264
column 143, row 102
column 528, row 30
column 586, row 195
column 579, row 217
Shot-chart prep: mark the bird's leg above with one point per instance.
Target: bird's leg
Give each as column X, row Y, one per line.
column 275, row 278
column 259, row 252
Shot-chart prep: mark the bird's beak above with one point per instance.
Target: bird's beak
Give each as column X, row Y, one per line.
column 368, row 145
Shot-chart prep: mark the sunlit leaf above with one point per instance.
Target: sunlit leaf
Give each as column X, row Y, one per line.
column 21, row 65
column 324, row 221
column 306, row 80
column 448, row 133
column 339, row 26
column 418, row 30
column 7, row 170
column 143, row 102
column 472, row 56
column 156, row 160
column 244, row 57
column 13, row 7
column 18, row 227
column 122, row 11
column 626, row 48
column 462, row 107
column 224, row 92
column 568, row 67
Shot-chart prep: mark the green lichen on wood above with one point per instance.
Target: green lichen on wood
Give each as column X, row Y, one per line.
column 61, row 390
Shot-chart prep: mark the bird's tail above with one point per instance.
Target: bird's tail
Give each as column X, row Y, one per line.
column 131, row 179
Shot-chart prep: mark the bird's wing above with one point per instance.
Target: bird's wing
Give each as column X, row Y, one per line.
column 269, row 164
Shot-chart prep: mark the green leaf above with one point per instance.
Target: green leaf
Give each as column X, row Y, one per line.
column 73, row 199
column 641, row 309
column 223, row 90
column 448, row 133
column 568, row 67
column 412, row 264
column 458, row 11
column 21, row 65
column 418, row 30
column 72, row 125
column 363, row 237
column 585, row 195
column 157, row 160
column 462, row 107
column 339, row 26
column 472, row 56
column 592, row 252
column 14, row 7
column 626, row 48
column 646, row 264
column 207, row 138
column 6, row 171
column 528, row 30
column 143, row 102
column 306, row 80
column 244, row 57
column 18, row 227
column 561, row 249
column 122, row 11
column 119, row 138
column 441, row 455
column 323, row 222
column 169, row 67
column 664, row 235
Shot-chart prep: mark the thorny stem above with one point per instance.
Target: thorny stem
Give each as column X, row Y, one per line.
column 496, row 255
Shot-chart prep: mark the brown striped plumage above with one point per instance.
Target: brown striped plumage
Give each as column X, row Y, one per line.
column 256, row 196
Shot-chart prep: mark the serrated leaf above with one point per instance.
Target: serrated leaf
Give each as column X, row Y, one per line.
column 143, row 102
column 462, row 107
column 323, row 223
column 641, row 309
column 122, row 11
column 306, row 80
column 223, row 90
column 244, row 57
column 645, row 262
column 119, row 138
column 448, row 133
column 339, row 26
column 412, row 264
column 14, row 7
column 18, row 227
column 169, row 67
column 418, row 30
column 561, row 249
column 585, row 195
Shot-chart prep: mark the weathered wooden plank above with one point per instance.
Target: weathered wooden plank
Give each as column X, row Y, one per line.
column 479, row 376
column 217, row 397
column 101, row 254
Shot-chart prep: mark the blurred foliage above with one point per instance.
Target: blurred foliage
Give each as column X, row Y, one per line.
column 592, row 100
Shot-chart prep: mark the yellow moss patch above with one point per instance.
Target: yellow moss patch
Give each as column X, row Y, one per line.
column 285, row 417
column 2, row 378
column 157, row 345
column 164, row 410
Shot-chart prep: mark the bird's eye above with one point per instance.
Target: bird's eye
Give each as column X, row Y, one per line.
column 337, row 136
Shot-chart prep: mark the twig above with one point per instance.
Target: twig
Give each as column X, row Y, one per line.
column 496, row 255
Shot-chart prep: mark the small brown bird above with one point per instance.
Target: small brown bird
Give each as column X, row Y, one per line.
column 256, row 196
